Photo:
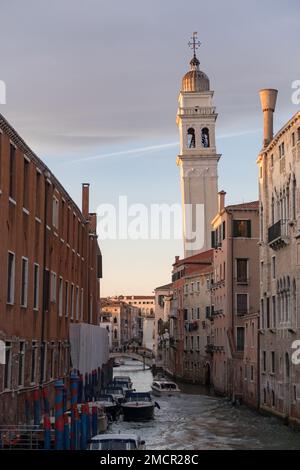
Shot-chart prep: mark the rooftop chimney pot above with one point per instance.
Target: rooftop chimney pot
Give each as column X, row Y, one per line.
column 268, row 98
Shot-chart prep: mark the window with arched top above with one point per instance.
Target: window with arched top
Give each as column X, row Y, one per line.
column 191, row 138
column 205, row 137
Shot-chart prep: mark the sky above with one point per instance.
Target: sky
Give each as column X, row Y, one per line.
column 92, row 87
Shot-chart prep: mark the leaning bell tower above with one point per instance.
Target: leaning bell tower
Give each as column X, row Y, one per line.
column 198, row 157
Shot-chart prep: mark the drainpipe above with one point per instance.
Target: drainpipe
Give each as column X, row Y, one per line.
column 258, row 364
column 232, row 295
column 86, row 214
column 44, row 287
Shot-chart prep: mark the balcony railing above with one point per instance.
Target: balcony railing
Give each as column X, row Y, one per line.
column 217, row 312
column 209, row 348
column 277, row 234
column 200, row 111
column 191, row 325
column 215, row 285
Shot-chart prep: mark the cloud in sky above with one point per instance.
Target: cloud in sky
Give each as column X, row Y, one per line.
column 134, row 151
column 113, row 71
column 97, row 82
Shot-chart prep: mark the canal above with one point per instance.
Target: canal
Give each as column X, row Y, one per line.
column 197, row 420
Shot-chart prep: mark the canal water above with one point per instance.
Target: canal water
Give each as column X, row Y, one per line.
column 197, row 420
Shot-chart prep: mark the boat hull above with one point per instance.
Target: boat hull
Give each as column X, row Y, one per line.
column 164, row 393
column 112, row 411
column 137, row 412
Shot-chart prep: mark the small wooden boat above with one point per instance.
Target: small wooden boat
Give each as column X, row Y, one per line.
column 164, row 387
column 118, row 362
column 138, row 406
column 116, row 442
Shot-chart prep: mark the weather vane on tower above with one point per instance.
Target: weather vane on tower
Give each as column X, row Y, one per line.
column 194, row 44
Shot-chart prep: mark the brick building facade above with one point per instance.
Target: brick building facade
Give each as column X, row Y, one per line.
column 235, row 301
column 189, row 329
column 50, row 265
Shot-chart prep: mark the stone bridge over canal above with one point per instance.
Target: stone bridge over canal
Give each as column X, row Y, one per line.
column 144, row 359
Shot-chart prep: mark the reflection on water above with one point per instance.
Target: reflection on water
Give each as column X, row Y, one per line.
column 196, row 420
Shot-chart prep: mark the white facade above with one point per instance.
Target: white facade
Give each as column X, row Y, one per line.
column 148, row 333
column 107, row 325
column 198, row 158
column 163, row 296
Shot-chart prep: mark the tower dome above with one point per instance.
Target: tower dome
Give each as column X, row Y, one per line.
column 195, row 79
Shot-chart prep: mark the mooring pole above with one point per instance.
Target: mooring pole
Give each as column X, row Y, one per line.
column 74, row 397
column 59, row 420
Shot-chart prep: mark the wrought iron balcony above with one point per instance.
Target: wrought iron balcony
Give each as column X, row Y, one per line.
column 209, row 349
column 217, row 312
column 191, row 325
column 277, row 235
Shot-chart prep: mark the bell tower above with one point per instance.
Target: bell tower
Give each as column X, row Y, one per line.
column 198, row 158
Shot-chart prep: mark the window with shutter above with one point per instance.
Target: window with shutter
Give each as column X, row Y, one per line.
column 242, row 228
column 213, row 239
column 224, row 230
column 240, row 338
column 46, row 289
column 99, row 266
column 242, row 270
column 242, row 304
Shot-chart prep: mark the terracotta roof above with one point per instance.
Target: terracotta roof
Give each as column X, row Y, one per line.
column 244, row 205
column 204, row 257
column 136, row 297
column 165, row 287
column 198, row 269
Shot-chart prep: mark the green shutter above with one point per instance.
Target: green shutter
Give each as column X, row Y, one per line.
column 249, row 228
column 213, row 239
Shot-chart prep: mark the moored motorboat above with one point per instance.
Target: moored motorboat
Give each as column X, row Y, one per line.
column 124, row 384
column 116, row 392
column 138, row 406
column 164, row 387
column 109, row 404
column 123, row 379
column 116, row 442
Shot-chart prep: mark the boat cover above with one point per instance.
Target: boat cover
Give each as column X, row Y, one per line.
column 89, row 347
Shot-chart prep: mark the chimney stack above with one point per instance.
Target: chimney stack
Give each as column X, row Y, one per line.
column 85, row 200
column 93, row 223
column 221, row 200
column 268, row 99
